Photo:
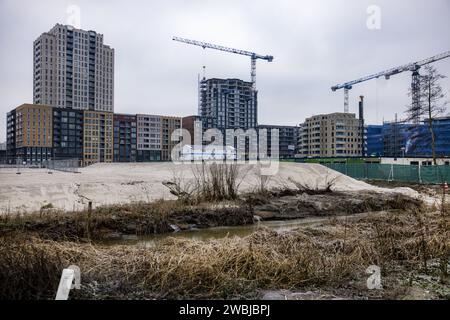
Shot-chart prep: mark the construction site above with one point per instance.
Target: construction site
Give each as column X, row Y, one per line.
column 308, row 232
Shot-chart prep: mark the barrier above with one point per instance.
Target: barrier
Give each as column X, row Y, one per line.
column 69, row 165
column 393, row 172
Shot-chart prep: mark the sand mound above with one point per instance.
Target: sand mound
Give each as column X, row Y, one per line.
column 124, row 183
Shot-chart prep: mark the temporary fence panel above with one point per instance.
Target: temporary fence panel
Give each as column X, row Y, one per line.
column 70, row 165
column 391, row 172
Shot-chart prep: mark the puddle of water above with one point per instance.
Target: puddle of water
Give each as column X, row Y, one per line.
column 223, row 232
column 215, row 233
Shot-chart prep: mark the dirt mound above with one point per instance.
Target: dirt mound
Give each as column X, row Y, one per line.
column 116, row 183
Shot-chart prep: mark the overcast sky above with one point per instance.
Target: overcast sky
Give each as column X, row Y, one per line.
column 316, row 44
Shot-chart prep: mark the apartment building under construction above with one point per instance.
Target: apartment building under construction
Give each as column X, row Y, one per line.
column 227, row 104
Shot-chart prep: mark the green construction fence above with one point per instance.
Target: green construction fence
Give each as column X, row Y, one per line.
column 393, row 172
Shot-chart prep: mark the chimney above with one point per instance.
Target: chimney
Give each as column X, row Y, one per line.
column 361, row 123
column 361, row 108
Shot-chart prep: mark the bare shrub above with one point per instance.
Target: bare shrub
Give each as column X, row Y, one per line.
column 212, row 182
column 263, row 181
column 215, row 182
column 303, row 186
column 180, row 187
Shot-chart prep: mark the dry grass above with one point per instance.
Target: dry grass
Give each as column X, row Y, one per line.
column 212, row 182
column 232, row 267
column 315, row 188
column 59, row 225
column 135, row 219
column 28, row 271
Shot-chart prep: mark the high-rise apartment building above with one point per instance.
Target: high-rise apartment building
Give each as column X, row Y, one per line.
column 227, row 104
column 331, row 135
column 73, row 69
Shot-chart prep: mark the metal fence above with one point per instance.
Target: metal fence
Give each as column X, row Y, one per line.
column 69, row 165
column 392, row 172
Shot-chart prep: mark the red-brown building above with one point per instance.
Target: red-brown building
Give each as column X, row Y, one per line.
column 188, row 123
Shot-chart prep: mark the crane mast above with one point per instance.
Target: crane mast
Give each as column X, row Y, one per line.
column 253, row 56
column 413, row 67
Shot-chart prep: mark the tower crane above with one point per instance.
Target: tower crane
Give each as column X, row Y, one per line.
column 253, row 56
column 413, row 67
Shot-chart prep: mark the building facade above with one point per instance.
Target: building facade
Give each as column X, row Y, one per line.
column 125, row 138
column 228, row 104
column 68, row 134
column 288, row 140
column 11, row 137
column 149, row 139
column 374, row 140
column 193, row 125
column 98, row 137
column 3, row 153
column 33, row 133
column 36, row 133
column 419, row 141
column 154, row 137
column 169, row 125
column 73, row 69
column 331, row 135
column 402, row 139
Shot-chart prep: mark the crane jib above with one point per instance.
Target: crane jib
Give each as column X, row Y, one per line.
column 407, row 67
column 205, row 45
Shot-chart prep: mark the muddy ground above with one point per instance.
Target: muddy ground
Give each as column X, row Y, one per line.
column 328, row 204
column 140, row 219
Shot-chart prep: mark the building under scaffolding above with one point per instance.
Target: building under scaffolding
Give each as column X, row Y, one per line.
column 402, row 139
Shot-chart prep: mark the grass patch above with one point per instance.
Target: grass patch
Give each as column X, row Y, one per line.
column 330, row 255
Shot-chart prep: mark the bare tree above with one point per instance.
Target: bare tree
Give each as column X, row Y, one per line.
column 430, row 102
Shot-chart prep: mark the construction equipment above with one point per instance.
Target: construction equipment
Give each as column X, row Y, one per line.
column 253, row 56
column 414, row 67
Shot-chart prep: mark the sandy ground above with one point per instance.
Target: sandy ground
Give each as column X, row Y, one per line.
column 123, row 183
